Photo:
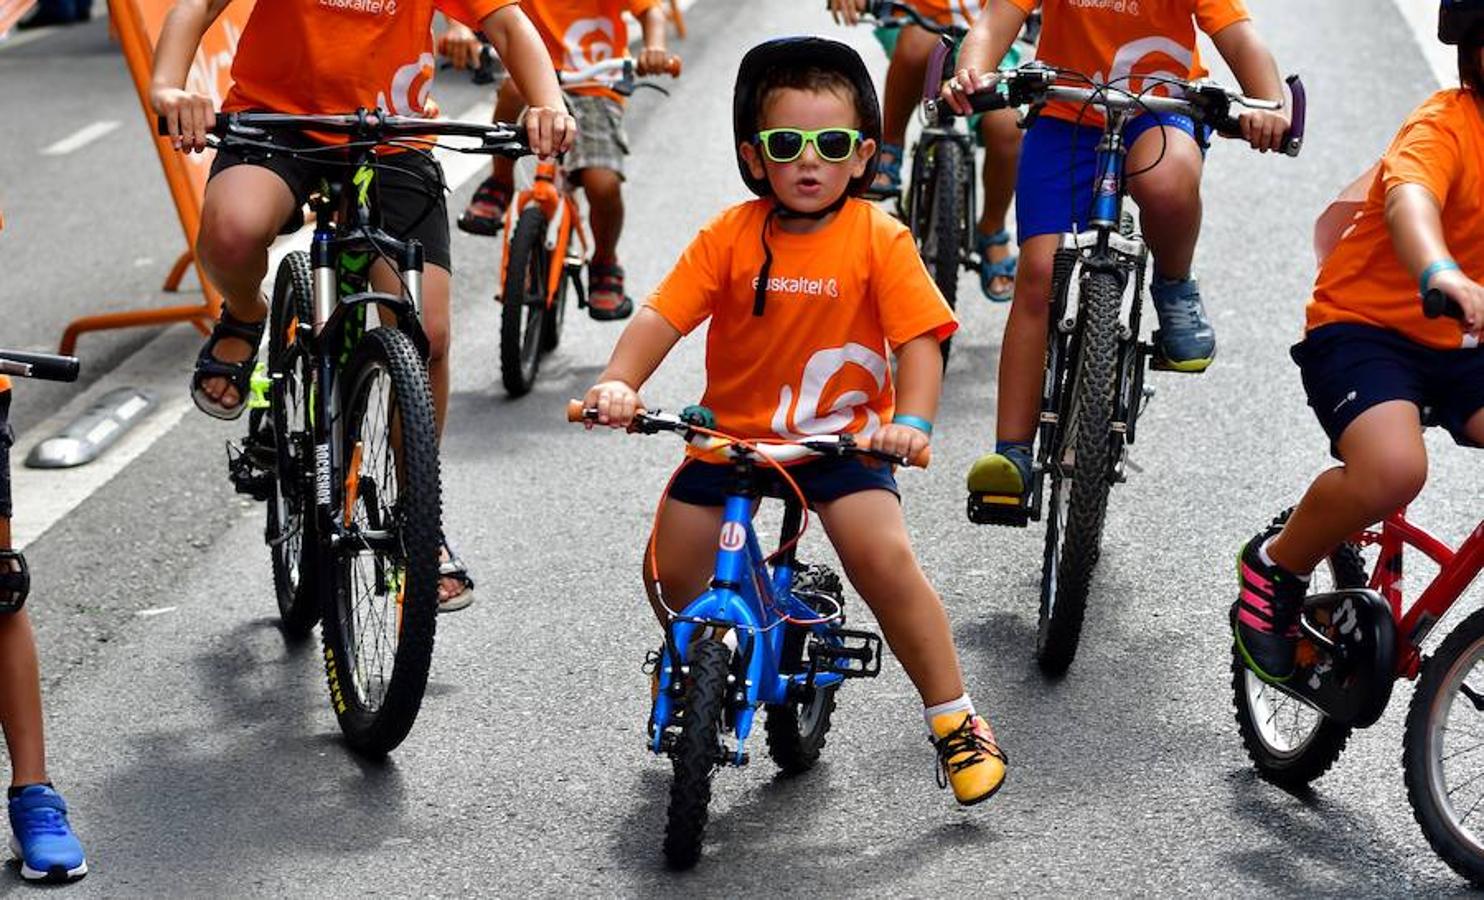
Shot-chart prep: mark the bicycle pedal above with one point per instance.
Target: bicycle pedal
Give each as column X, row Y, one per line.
column 1159, row 363
column 997, row 509
column 858, row 655
column 247, row 474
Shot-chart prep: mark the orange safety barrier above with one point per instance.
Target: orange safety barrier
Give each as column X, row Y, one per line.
column 138, row 23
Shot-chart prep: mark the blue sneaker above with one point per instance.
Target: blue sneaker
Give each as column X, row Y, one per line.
column 41, row 837
column 1185, row 340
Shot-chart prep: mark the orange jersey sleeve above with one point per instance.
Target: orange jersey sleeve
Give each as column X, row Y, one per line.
column 1441, row 147
column 337, row 56
column 817, row 361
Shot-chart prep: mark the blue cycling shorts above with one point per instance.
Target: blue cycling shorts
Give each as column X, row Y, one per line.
column 821, row 480
column 1058, row 165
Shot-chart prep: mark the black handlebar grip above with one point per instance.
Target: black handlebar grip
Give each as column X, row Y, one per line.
column 46, row 366
column 988, row 101
column 1293, row 141
column 1435, row 303
column 162, row 126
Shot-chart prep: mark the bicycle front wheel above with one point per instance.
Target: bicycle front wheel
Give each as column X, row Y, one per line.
column 379, row 627
column 697, row 752
column 942, row 244
column 523, row 298
column 1443, row 749
column 1080, row 476
column 291, row 537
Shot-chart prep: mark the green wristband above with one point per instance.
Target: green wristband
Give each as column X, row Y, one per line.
column 918, row 422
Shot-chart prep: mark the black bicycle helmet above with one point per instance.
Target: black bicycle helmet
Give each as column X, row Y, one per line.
column 802, row 52
column 1458, row 19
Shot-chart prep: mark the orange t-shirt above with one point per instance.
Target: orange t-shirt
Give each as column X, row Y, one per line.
column 840, row 300
column 579, row 33
column 1441, row 147
column 308, row 57
column 1113, row 39
column 949, row 12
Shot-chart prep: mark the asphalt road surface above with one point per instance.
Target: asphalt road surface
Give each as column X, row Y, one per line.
column 199, row 752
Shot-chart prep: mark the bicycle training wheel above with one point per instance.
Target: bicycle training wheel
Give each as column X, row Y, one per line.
column 1080, row 476
column 1441, row 750
column 698, row 751
column 1290, row 742
column 523, row 310
column 379, row 626
column 942, row 243
column 291, row 514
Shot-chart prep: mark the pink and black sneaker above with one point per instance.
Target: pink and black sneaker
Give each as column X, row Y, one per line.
column 1266, row 615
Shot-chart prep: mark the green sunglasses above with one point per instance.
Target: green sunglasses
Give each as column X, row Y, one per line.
column 784, row 145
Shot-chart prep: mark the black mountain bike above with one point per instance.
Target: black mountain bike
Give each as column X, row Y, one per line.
column 941, row 197
column 1094, row 387
column 341, row 438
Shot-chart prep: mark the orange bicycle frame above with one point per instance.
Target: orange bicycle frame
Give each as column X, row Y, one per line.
column 552, row 196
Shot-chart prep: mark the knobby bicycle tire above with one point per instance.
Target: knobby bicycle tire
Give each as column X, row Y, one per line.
column 1421, row 750
column 523, row 303
column 1091, row 440
column 374, row 725
column 943, row 244
column 797, row 730
column 291, row 512
column 1298, row 766
column 697, row 752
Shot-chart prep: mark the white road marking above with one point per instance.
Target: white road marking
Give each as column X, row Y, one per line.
column 80, row 138
column 155, row 611
column 1422, row 19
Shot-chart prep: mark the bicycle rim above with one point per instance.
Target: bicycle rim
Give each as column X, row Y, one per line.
column 1455, row 749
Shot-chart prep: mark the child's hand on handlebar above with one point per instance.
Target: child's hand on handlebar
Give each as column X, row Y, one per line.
column 615, row 402
column 551, row 130
column 460, row 46
column 901, row 441
column 652, row 61
column 189, row 117
column 968, row 81
column 847, row 12
column 1467, row 293
column 1265, row 129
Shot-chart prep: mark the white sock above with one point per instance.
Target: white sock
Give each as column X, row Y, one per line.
column 962, row 705
column 1262, row 554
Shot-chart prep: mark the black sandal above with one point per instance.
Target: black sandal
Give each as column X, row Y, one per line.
column 454, row 568
column 239, row 374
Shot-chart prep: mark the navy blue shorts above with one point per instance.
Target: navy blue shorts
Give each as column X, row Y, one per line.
column 821, row 480
column 7, row 438
column 1348, row 368
column 1058, row 164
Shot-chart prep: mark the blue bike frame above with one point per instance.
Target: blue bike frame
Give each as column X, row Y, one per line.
column 751, row 603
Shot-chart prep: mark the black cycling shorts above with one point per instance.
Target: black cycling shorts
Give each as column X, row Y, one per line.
column 410, row 185
column 7, row 438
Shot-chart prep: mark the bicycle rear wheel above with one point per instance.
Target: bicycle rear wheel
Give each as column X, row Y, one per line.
column 291, row 532
column 379, row 627
column 523, row 312
column 943, row 241
column 1290, row 742
column 1074, row 529
column 697, row 752
column 796, row 730
column 551, row 327
column 1441, row 750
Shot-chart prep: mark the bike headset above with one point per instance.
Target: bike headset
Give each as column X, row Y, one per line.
column 798, row 53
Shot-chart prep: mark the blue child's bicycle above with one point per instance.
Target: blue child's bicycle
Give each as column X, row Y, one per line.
column 769, row 635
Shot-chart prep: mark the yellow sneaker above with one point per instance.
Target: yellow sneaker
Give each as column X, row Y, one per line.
column 968, row 757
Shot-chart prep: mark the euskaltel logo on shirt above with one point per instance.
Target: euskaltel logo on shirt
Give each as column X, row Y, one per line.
column 369, row 7
column 784, row 285
column 1129, row 7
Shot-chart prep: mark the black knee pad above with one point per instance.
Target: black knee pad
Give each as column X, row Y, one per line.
column 15, row 581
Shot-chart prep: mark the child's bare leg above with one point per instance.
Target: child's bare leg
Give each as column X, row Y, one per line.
column 904, row 79
column 435, row 322
column 508, row 104
column 1385, row 468
column 1001, row 135
column 20, row 693
column 685, row 537
column 1169, row 197
column 869, row 533
column 242, row 211
column 1023, row 348
column 604, row 190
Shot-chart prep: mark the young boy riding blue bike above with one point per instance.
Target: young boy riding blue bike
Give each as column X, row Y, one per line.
column 808, row 289
column 1132, row 45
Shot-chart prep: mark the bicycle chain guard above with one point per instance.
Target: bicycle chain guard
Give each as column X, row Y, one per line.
column 15, row 581
column 1346, row 657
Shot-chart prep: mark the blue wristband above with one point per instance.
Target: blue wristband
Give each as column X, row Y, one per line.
column 918, row 422
column 1442, row 265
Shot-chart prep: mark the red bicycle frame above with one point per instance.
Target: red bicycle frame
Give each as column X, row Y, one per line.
column 1457, row 570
